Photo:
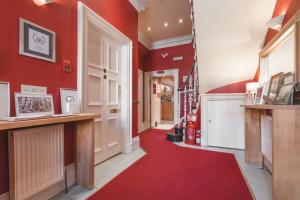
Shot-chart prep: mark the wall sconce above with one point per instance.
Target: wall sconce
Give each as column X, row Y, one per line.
column 42, row 2
column 276, row 22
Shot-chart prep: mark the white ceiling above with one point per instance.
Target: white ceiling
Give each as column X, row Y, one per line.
column 157, row 12
column 229, row 35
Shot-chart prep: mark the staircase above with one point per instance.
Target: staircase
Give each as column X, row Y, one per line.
column 188, row 95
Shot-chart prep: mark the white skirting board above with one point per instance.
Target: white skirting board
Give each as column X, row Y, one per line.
column 134, row 145
column 53, row 190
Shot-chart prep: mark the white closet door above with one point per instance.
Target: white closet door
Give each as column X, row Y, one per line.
column 226, row 123
column 102, row 92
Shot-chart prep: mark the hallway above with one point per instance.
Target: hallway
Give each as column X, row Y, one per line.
column 156, row 174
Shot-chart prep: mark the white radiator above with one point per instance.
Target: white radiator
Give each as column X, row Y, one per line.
column 38, row 159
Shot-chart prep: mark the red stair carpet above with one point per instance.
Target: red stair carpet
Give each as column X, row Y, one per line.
column 169, row 172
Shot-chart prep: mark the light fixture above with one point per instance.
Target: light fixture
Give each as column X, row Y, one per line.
column 42, row 2
column 166, row 24
column 180, row 21
column 149, row 28
column 276, row 22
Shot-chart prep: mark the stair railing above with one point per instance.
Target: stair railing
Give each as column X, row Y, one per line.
column 189, row 96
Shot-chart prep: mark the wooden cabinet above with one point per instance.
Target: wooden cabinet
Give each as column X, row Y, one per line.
column 285, row 146
column 84, row 145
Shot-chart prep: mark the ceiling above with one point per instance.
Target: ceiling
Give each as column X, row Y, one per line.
column 229, row 35
column 159, row 12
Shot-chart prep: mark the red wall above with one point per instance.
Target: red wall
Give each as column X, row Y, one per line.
column 155, row 61
column 61, row 17
column 288, row 7
column 143, row 54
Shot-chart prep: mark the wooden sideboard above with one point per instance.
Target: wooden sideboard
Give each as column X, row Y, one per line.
column 84, row 144
column 285, row 146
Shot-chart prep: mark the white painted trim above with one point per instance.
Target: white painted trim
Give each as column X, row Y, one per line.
column 171, row 72
column 204, row 110
column 136, row 143
column 144, row 40
column 176, row 41
column 4, row 196
column 85, row 16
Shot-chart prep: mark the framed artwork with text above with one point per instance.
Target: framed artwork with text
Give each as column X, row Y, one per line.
column 36, row 41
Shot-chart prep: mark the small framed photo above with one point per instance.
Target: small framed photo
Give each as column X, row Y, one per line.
column 33, row 105
column 273, row 88
column 259, row 96
column 69, row 101
column 36, row 41
column 4, row 99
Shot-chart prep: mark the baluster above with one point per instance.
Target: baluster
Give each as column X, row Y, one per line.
column 185, row 102
column 190, row 93
column 179, row 108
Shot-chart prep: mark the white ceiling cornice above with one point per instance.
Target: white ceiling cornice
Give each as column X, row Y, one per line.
column 171, row 42
column 139, row 5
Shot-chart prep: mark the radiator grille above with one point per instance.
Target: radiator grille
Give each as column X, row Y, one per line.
column 38, row 159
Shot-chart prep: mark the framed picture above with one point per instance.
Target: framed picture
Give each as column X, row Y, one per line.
column 36, row 41
column 69, row 101
column 29, row 105
column 285, row 95
column 259, row 96
column 273, row 88
column 4, row 99
column 286, row 90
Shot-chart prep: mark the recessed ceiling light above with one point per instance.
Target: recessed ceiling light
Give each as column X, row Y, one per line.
column 166, row 24
column 180, row 21
column 149, row 28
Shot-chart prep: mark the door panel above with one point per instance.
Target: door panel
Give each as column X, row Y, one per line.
column 226, row 124
column 102, row 92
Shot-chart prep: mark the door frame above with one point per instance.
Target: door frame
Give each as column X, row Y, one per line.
column 85, row 16
column 141, row 125
column 158, row 73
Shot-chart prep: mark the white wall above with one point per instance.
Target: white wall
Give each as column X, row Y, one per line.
column 229, row 35
column 282, row 59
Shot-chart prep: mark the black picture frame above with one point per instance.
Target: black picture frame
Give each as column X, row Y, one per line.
column 36, row 41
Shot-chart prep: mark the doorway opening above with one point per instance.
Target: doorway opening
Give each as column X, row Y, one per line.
column 161, row 99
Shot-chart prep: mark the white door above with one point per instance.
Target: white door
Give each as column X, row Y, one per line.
column 140, row 97
column 155, row 102
column 226, row 123
column 102, row 92
column 147, row 100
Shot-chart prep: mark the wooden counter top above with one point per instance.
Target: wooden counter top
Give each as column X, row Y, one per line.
column 6, row 125
column 273, row 107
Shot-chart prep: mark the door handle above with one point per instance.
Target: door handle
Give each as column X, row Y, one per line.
column 104, row 70
column 114, row 110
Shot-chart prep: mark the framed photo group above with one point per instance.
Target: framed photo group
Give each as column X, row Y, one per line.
column 279, row 91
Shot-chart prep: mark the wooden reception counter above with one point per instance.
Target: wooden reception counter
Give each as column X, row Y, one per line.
column 84, row 144
column 285, row 146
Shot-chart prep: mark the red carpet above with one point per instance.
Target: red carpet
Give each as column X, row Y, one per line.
column 171, row 172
